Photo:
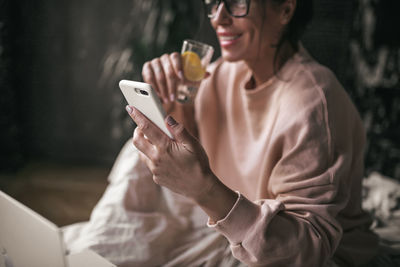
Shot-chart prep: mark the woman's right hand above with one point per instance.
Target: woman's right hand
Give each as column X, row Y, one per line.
column 164, row 74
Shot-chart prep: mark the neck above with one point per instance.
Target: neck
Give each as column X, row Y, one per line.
column 266, row 66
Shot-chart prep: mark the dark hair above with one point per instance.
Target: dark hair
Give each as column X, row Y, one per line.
column 297, row 25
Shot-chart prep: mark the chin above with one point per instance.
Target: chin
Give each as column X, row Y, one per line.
column 230, row 57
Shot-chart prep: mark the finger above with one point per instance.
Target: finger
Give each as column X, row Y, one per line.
column 142, row 144
column 170, row 76
column 160, row 78
column 178, row 131
column 146, row 160
column 176, row 60
column 154, row 134
column 142, row 156
column 149, row 77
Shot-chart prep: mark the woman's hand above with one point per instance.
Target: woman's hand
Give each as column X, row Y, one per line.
column 164, row 74
column 180, row 164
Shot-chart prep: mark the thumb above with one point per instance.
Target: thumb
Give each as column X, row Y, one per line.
column 178, row 131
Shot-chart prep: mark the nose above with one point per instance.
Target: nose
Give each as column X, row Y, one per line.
column 221, row 15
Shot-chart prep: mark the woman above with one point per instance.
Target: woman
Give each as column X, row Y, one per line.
column 277, row 165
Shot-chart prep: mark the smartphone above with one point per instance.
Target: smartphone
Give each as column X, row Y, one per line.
column 143, row 97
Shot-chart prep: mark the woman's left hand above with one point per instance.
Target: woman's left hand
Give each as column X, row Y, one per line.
column 179, row 164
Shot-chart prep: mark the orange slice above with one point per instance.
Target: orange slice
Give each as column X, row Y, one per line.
column 192, row 68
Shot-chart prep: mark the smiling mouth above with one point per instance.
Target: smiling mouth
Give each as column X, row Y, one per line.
column 229, row 38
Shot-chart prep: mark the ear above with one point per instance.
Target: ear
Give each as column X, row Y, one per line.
column 287, row 10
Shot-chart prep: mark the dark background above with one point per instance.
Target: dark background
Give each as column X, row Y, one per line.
column 60, row 63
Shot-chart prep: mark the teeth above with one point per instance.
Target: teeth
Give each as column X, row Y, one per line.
column 228, row 38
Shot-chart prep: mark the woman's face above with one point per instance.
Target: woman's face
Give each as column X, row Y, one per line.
column 248, row 38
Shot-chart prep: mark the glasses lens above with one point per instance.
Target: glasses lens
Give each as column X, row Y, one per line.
column 237, row 8
column 212, row 7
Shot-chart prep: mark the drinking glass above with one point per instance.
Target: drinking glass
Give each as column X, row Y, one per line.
column 195, row 58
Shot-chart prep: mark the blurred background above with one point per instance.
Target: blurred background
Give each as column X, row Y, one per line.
column 62, row 116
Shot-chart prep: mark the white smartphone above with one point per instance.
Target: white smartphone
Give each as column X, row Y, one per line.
column 143, row 97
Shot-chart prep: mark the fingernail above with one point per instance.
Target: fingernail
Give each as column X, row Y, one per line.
column 181, row 76
column 171, row 121
column 166, row 100
column 172, row 97
column 129, row 109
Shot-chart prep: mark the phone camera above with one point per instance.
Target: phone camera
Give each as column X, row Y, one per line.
column 141, row 91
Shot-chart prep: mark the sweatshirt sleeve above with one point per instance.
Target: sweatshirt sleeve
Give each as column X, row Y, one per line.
column 310, row 184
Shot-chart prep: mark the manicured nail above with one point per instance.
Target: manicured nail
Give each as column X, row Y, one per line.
column 172, row 97
column 129, row 109
column 171, row 121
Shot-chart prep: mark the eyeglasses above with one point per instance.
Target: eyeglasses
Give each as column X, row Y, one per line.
column 235, row 8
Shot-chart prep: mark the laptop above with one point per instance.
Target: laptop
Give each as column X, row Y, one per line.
column 29, row 240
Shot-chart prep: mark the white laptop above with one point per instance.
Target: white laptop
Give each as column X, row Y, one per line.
column 30, row 240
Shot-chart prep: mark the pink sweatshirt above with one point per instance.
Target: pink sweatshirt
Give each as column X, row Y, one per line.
column 293, row 148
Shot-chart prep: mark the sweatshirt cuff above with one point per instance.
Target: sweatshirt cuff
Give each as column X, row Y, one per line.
column 239, row 219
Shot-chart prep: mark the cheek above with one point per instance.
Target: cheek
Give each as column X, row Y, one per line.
column 254, row 37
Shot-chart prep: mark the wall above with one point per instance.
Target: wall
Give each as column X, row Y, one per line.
column 56, row 51
column 10, row 135
column 63, row 60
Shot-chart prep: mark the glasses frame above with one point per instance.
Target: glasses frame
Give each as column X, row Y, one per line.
column 228, row 8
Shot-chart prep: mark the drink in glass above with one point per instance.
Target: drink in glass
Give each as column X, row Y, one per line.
column 195, row 58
